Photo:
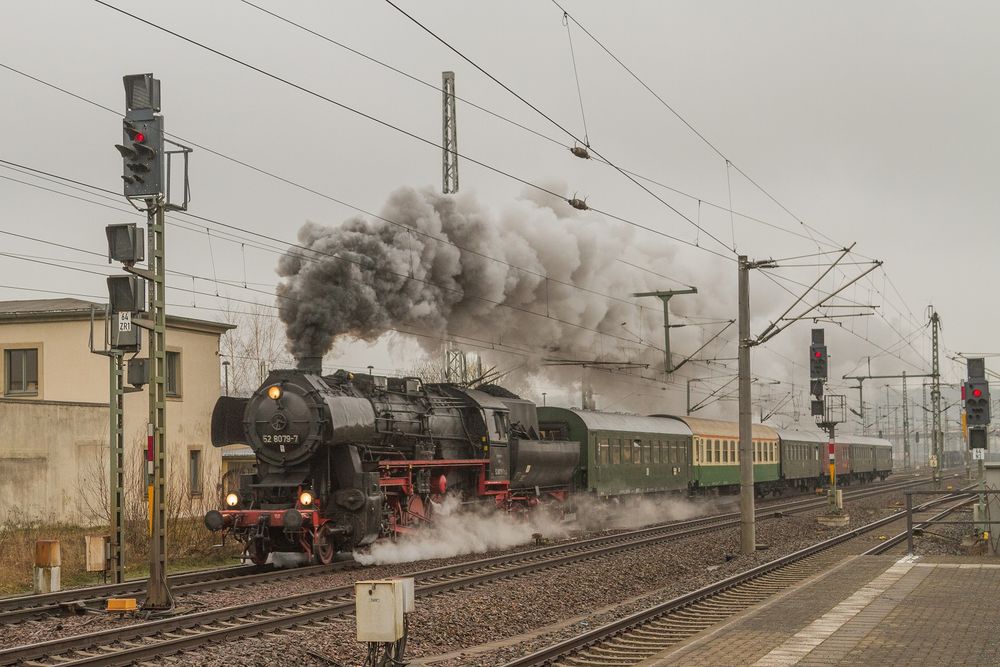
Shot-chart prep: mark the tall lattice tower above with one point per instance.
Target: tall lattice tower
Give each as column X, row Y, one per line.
column 456, row 368
column 449, row 140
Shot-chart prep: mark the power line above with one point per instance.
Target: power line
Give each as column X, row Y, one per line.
column 325, row 196
column 264, row 172
column 361, row 264
column 400, row 130
column 280, row 250
column 690, row 126
column 561, row 127
column 403, row 73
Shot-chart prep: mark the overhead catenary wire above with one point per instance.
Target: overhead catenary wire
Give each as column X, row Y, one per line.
column 560, row 126
column 94, row 202
column 280, row 250
column 412, row 135
column 691, row 127
column 307, row 189
column 303, row 249
column 576, row 75
column 346, row 204
column 21, row 168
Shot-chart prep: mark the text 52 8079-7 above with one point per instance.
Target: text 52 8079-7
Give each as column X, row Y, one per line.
column 280, row 439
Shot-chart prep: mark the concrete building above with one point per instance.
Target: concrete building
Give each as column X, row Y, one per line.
column 54, row 415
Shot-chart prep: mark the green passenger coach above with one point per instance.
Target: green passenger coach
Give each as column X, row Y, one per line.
column 623, row 454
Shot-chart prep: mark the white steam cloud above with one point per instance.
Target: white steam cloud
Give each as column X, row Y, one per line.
column 457, row 530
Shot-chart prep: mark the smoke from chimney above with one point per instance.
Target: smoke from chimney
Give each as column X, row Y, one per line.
column 369, row 276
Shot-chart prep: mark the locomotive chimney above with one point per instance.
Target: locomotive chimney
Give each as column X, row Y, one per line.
column 310, row 364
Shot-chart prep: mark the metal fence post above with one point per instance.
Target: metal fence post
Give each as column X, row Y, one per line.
column 909, row 523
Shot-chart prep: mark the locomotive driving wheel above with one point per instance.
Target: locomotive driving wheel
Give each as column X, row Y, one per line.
column 418, row 511
column 324, row 546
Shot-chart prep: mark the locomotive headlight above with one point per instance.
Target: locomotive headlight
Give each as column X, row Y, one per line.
column 305, row 498
column 232, row 499
column 274, row 392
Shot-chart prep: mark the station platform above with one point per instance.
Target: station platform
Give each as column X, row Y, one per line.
column 867, row 610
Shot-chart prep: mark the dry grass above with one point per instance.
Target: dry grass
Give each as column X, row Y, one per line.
column 190, row 545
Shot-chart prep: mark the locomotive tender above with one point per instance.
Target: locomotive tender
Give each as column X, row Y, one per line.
column 344, row 459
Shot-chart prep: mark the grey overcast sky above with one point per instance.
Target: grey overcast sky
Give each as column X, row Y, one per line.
column 873, row 122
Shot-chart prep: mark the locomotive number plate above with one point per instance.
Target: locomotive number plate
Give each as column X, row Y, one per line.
column 280, row 439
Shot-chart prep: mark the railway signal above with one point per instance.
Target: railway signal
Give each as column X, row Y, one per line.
column 818, row 362
column 142, row 156
column 817, row 372
column 977, row 401
column 145, row 167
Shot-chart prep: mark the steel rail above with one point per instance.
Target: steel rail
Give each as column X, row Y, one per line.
column 13, row 610
column 899, row 538
column 551, row 655
column 120, row 645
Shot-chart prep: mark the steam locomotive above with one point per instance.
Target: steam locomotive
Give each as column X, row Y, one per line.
column 345, row 459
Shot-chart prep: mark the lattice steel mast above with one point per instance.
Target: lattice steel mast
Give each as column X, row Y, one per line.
column 449, row 139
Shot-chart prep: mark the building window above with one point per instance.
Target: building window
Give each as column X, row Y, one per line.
column 22, row 371
column 194, row 471
column 173, row 362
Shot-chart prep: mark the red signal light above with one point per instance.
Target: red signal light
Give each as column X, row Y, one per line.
column 817, row 354
column 977, row 392
column 140, row 137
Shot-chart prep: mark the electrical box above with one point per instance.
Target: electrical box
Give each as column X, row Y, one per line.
column 380, row 607
column 125, row 336
column 98, row 552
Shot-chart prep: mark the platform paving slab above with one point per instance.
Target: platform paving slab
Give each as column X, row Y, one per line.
column 867, row 610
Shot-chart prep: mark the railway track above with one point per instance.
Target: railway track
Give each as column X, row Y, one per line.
column 634, row 638
column 80, row 600
column 315, row 610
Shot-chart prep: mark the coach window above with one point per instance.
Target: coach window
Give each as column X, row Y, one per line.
column 637, row 451
column 603, row 452
column 626, row 450
column 647, row 451
column 22, row 372
column 616, row 452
